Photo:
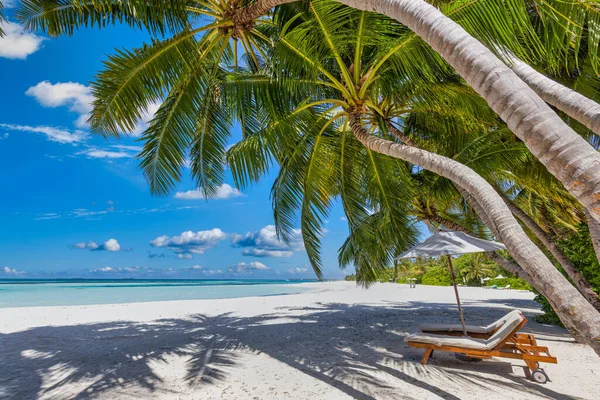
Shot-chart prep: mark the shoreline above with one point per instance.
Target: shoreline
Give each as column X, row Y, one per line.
column 126, row 292
column 333, row 341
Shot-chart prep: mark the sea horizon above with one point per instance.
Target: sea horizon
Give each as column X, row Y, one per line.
column 39, row 292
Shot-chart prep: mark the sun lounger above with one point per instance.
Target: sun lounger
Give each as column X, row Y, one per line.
column 505, row 342
column 481, row 332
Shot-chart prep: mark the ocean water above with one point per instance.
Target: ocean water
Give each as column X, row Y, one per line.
column 69, row 292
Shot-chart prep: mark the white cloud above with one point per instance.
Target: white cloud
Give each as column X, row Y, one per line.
column 99, row 153
column 131, row 270
column 82, row 245
column 185, row 256
column 122, row 151
column 83, row 212
column 254, row 252
column 224, row 191
column 246, row 267
column 76, row 96
column 297, row 270
column 265, row 243
column 190, row 242
column 17, row 43
column 79, row 99
column 197, row 267
column 136, row 149
column 4, row 136
column 9, row 271
column 110, row 245
column 212, row 272
column 47, row 216
column 53, row 134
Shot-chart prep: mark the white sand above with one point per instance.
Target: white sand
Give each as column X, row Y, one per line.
column 334, row 342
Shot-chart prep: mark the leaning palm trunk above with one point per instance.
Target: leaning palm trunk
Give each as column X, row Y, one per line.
column 564, row 153
column 512, row 268
column 515, row 268
column 580, row 282
column 594, row 228
column 572, row 103
column 575, row 312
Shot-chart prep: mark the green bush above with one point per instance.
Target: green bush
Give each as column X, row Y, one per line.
column 514, row 282
column 578, row 248
column 580, row 251
column 549, row 316
column 436, row 276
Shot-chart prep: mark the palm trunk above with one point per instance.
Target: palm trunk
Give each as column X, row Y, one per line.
column 594, row 229
column 564, row 153
column 514, row 268
column 250, row 13
column 574, row 310
column 574, row 104
column 580, row 282
column 511, row 267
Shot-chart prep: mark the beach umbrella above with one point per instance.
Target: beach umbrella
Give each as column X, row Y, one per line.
column 451, row 243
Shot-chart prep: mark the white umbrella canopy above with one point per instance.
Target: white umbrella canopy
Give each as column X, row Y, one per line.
column 449, row 243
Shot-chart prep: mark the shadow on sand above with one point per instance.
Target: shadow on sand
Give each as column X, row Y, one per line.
column 349, row 347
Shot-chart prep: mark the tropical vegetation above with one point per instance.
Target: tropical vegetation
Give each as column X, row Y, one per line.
column 354, row 106
column 470, row 270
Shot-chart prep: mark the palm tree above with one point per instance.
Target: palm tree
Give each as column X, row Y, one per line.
column 357, row 99
column 552, row 141
column 475, row 267
column 522, row 177
column 341, row 90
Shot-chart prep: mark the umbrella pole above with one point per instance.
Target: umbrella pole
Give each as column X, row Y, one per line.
column 462, row 318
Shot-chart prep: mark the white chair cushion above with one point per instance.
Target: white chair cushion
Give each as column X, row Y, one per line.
column 453, row 328
column 443, row 340
column 467, row 342
column 470, row 328
column 504, row 331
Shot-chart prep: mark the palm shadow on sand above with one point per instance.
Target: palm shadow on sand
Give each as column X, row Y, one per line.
column 350, row 347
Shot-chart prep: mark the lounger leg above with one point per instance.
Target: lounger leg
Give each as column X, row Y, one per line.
column 428, row 352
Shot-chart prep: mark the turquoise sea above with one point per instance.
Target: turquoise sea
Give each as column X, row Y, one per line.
column 69, row 292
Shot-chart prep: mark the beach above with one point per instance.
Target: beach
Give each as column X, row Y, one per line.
column 333, row 341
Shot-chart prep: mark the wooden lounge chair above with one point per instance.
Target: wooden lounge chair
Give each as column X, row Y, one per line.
column 475, row 331
column 505, row 342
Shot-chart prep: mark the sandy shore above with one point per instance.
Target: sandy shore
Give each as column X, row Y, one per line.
column 333, row 342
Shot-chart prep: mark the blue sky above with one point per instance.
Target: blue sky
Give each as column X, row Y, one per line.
column 75, row 205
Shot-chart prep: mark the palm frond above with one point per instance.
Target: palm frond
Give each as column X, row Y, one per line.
column 63, row 17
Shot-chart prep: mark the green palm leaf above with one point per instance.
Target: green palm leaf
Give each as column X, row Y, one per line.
column 60, row 17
